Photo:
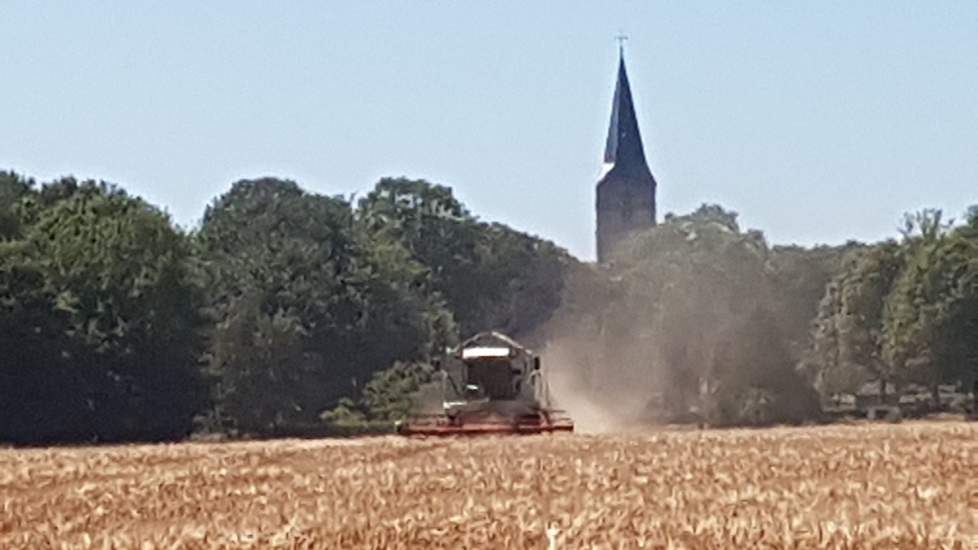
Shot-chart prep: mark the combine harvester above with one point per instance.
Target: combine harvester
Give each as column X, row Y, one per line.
column 490, row 384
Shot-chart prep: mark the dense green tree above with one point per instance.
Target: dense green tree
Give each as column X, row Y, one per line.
column 101, row 286
column 491, row 276
column 901, row 312
column 390, row 395
column 799, row 277
column 306, row 306
column 931, row 318
column 852, row 320
column 13, row 188
column 822, row 364
column 42, row 397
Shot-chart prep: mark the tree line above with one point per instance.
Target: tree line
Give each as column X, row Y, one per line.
column 117, row 325
column 901, row 312
column 285, row 310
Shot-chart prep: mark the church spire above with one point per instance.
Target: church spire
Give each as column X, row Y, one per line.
column 625, row 198
column 624, row 146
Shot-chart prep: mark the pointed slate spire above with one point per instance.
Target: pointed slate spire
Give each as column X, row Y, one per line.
column 624, row 147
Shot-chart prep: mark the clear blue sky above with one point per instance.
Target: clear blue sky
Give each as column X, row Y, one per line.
column 817, row 121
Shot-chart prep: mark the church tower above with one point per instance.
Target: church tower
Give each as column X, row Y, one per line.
column 626, row 191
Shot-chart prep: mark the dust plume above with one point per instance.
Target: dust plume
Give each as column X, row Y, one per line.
column 591, row 414
column 688, row 327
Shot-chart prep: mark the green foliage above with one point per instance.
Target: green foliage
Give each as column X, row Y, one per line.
column 290, row 312
column 280, row 306
column 306, row 305
column 799, row 277
column 390, row 395
column 931, row 314
column 490, row 276
column 100, row 288
column 902, row 311
column 519, row 281
column 849, row 332
column 13, row 188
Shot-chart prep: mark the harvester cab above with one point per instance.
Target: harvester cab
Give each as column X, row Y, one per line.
column 491, row 384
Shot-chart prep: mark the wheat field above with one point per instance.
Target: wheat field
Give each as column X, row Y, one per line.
column 910, row 485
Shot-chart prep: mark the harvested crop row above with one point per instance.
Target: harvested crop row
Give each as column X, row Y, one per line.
column 869, row 486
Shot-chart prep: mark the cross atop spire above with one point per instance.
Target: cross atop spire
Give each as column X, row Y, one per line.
column 621, row 38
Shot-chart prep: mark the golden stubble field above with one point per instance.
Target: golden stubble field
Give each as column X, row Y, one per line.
column 911, row 485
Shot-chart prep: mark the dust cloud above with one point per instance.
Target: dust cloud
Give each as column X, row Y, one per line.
column 615, row 407
column 687, row 345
